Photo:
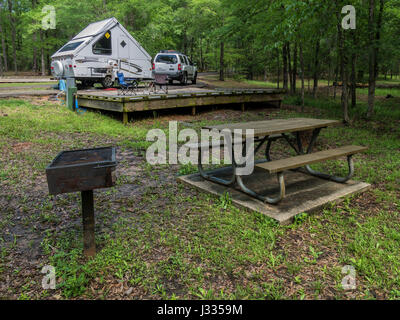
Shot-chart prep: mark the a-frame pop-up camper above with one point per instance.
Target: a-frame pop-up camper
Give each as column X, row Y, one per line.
column 98, row 52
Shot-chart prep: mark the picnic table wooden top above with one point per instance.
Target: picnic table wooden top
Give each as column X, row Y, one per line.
column 271, row 127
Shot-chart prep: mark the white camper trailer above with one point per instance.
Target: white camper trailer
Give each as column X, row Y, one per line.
column 98, row 52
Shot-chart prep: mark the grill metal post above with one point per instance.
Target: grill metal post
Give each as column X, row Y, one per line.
column 89, row 245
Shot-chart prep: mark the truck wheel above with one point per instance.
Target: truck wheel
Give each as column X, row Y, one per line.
column 184, row 79
column 194, row 81
column 107, row 82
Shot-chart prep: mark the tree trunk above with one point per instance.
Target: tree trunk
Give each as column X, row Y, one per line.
column 316, row 67
column 294, row 76
column 48, row 59
column 329, row 77
column 373, row 52
column 302, row 76
column 345, row 99
column 201, row 55
column 191, row 48
column 34, row 38
column 13, row 34
column 279, row 68
column 378, row 38
column 221, row 62
column 332, row 48
column 3, row 46
column 34, row 62
column 1, row 67
column 371, row 59
column 42, row 54
column 289, row 68
column 353, row 80
column 185, row 43
column 336, row 76
column 343, row 69
column 285, row 67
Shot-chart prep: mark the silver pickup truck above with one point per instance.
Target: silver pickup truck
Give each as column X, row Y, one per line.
column 176, row 65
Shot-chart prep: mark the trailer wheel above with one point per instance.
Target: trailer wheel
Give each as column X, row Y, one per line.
column 107, row 82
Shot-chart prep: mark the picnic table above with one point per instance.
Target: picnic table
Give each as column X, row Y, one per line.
column 295, row 132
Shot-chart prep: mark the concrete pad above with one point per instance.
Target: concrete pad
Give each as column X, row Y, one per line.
column 304, row 193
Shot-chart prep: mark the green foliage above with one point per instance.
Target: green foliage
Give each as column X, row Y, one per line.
column 187, row 169
column 253, row 32
column 300, row 218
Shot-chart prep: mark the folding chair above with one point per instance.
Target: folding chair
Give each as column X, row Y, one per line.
column 125, row 88
column 160, row 80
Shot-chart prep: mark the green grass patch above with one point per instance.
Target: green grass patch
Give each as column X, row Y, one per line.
column 382, row 92
column 39, row 123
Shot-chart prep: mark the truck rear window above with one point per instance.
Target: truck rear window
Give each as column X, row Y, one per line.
column 167, row 58
column 71, row 46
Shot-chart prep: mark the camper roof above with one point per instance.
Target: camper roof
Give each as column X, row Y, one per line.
column 96, row 28
column 92, row 32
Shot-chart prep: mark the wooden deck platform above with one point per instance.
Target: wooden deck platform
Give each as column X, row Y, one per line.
column 193, row 99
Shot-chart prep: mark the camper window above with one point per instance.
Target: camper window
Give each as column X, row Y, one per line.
column 71, row 46
column 103, row 45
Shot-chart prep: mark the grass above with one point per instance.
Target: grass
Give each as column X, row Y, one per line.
column 158, row 239
column 384, row 109
column 381, row 92
column 43, row 124
column 270, row 84
column 388, row 81
column 241, row 81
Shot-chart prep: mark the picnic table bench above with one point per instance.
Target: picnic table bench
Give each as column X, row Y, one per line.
column 269, row 131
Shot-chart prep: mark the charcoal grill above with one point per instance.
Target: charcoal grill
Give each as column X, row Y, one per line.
column 84, row 171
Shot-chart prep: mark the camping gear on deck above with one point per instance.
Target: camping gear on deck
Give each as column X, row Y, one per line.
column 125, row 88
column 160, row 80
